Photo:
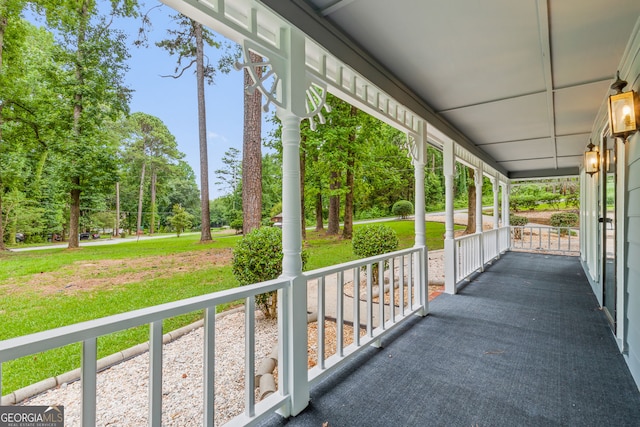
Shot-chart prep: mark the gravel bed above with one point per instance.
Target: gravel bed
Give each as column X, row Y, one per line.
column 122, row 390
column 122, row 394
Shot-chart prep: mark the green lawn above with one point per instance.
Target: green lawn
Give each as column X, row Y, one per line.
column 26, row 308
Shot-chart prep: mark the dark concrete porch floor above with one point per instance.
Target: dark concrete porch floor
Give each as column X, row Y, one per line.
column 524, row 344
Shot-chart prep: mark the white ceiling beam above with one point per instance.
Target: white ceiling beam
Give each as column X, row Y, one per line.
column 545, row 48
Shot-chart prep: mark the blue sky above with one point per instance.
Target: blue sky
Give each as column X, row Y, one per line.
column 174, row 100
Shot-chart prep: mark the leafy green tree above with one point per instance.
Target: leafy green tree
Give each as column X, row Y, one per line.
column 188, row 43
column 149, row 143
column 181, row 188
column 12, row 91
column 91, row 91
column 181, row 219
column 230, row 175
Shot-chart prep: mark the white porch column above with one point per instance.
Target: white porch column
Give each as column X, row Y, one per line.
column 496, row 216
column 419, row 154
column 449, row 169
column 506, row 189
column 496, row 205
column 479, row 223
column 479, row 180
column 291, row 217
column 293, row 313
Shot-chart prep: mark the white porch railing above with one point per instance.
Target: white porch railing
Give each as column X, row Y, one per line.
column 405, row 270
column 348, row 294
column 535, row 238
column 468, row 255
column 474, row 251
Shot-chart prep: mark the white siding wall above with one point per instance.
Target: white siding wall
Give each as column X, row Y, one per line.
column 632, row 261
column 631, row 232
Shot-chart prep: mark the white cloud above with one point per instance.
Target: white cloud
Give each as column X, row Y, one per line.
column 213, row 135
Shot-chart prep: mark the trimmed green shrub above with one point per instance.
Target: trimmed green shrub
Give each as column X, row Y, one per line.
column 402, row 208
column 519, row 202
column 258, row 258
column 374, row 239
column 564, row 219
column 372, row 212
column 236, row 224
column 518, row 221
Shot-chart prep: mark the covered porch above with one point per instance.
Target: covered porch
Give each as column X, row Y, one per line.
column 524, row 343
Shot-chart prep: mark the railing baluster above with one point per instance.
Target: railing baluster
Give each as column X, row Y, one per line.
column 369, row 301
column 155, row 373
column 559, row 234
column 340, row 314
column 530, row 237
column 321, row 317
column 209, row 365
column 249, row 356
column 356, row 306
column 88, row 380
column 401, row 279
column 410, row 282
column 540, row 238
column 381, row 293
column 392, row 293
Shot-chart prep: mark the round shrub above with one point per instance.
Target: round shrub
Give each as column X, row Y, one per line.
column 402, row 208
column 258, row 258
column 374, row 239
column 518, row 221
column 236, row 224
column 564, row 219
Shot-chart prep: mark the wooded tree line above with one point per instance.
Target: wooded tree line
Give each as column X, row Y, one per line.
column 66, row 136
column 353, row 167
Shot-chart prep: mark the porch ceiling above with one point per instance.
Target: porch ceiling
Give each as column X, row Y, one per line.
column 522, row 81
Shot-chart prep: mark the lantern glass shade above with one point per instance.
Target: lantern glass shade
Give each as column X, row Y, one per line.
column 622, row 113
column 591, row 161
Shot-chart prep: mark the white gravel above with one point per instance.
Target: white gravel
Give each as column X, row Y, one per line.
column 122, row 391
column 122, row 394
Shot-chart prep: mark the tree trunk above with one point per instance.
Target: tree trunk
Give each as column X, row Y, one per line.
column 140, row 196
column 252, row 154
column 2, row 246
column 3, row 25
column 303, row 165
column 205, row 216
column 318, row 207
column 471, row 210
column 347, row 230
column 333, row 227
column 319, row 219
column 117, row 229
column 74, row 213
column 152, row 222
